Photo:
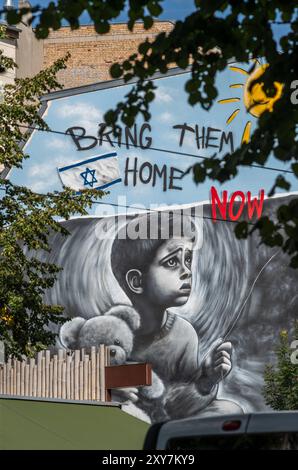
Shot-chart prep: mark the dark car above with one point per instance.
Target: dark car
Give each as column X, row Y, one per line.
column 269, row 430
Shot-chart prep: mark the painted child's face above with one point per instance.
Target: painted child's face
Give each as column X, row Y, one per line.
column 168, row 280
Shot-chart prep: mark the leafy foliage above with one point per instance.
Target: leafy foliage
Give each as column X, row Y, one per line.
column 26, row 220
column 214, row 34
column 281, row 381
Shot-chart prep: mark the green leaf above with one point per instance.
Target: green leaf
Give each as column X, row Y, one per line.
column 148, row 22
column 154, row 8
column 199, row 173
column 116, row 71
column 102, row 27
column 241, row 230
column 295, row 168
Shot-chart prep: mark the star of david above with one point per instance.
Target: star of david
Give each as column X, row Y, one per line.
column 86, row 175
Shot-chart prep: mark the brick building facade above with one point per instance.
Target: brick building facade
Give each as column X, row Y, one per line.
column 93, row 54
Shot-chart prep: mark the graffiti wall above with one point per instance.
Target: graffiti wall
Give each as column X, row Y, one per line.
column 155, row 271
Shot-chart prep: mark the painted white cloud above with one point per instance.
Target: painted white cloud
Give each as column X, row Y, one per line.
column 43, row 176
column 60, row 143
column 86, row 115
column 79, row 110
column 162, row 95
column 165, row 117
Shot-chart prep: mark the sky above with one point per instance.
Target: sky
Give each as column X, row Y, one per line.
column 173, row 10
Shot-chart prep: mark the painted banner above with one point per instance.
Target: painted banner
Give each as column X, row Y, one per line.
column 155, row 158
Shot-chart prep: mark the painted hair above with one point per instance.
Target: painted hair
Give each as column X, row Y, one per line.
column 137, row 242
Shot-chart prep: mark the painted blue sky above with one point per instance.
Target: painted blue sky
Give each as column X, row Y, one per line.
column 49, row 151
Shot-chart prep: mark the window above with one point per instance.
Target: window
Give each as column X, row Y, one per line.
column 261, row 441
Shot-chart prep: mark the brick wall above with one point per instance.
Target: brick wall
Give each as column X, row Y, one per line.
column 92, row 54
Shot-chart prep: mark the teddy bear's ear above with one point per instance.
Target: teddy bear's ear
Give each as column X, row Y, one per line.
column 69, row 332
column 126, row 313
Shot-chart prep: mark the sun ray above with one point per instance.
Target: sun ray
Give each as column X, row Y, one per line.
column 238, row 69
column 246, row 133
column 237, row 85
column 232, row 116
column 229, row 100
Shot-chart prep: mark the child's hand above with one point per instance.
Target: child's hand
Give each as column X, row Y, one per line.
column 125, row 395
column 216, row 366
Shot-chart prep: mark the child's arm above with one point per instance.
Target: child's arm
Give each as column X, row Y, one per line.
column 216, row 366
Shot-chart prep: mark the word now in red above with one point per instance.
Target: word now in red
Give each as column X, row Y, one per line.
column 226, row 207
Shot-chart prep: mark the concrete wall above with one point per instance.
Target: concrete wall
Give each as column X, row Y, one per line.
column 29, row 53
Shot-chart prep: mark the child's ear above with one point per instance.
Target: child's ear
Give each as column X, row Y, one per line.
column 134, row 281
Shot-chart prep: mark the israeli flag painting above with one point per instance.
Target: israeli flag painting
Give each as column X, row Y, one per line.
column 98, row 172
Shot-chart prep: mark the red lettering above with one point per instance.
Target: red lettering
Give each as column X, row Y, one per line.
column 216, row 202
column 255, row 204
column 240, row 209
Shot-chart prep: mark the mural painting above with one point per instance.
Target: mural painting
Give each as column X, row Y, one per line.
column 201, row 306
column 163, row 279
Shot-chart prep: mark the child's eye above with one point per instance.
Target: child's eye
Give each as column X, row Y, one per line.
column 188, row 260
column 171, row 263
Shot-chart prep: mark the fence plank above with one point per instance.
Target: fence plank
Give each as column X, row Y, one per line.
column 86, row 365
column 11, row 380
column 55, row 377
column 34, row 381
column 51, row 379
column 32, row 363
column 72, row 378
column 1, row 379
column 76, row 374
column 68, row 360
column 47, row 373
column 97, row 375
column 8, row 372
column 26, row 380
column 60, row 362
column 38, row 368
column 23, row 378
column 63, row 381
column 93, row 373
column 5, row 379
column 102, row 373
column 18, row 378
column 89, row 379
column 81, row 378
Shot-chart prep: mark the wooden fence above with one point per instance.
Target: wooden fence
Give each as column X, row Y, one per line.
column 73, row 376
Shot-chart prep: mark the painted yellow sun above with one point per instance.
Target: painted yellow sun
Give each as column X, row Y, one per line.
column 254, row 97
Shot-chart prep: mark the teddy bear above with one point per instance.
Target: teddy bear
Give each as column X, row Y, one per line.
column 115, row 329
